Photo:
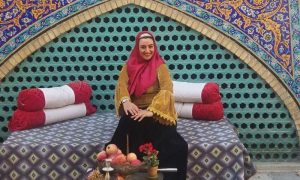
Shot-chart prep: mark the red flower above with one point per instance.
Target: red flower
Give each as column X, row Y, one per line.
column 151, row 154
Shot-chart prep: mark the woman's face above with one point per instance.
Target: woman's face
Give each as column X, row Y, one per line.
column 146, row 48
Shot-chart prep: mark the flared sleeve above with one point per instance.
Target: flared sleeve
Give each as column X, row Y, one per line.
column 121, row 91
column 162, row 105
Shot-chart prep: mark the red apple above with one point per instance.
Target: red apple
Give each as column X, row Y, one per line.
column 131, row 157
column 120, row 177
column 136, row 162
column 119, row 159
column 101, row 156
column 119, row 151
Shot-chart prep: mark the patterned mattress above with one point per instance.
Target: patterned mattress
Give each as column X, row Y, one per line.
column 67, row 149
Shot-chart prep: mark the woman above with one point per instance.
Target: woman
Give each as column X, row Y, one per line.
column 144, row 100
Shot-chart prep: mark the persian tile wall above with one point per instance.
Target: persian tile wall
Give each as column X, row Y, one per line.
column 269, row 29
column 21, row 20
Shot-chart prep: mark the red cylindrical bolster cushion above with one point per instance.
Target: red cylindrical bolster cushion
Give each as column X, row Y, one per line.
column 210, row 93
column 90, row 109
column 196, row 92
column 82, row 91
column 31, row 99
column 26, row 120
column 211, row 112
column 36, row 99
column 22, row 120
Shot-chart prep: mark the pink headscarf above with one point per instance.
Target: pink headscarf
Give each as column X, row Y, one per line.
column 142, row 73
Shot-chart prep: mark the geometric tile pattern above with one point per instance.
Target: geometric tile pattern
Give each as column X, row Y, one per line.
column 67, row 149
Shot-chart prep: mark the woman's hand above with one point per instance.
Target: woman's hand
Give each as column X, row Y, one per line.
column 130, row 108
column 142, row 114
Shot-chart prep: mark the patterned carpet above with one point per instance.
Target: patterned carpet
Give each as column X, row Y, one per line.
column 66, row 150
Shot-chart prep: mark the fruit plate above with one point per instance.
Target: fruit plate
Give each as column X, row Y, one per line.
column 123, row 169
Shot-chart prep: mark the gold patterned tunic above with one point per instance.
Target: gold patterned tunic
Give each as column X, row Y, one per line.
column 158, row 98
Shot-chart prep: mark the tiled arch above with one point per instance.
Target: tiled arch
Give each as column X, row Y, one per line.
column 254, row 62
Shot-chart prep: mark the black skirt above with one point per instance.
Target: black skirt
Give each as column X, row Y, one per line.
column 172, row 148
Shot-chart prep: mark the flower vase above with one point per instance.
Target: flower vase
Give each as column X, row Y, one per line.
column 152, row 172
